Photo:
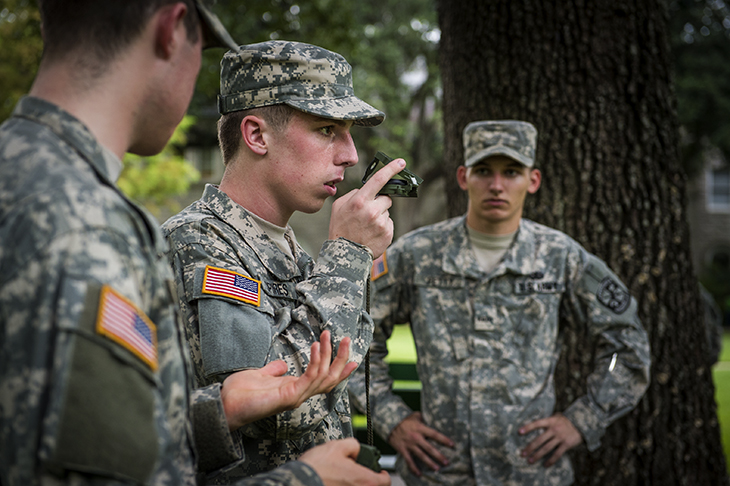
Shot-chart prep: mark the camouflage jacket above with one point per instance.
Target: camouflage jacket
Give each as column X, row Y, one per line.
column 95, row 383
column 246, row 303
column 487, row 346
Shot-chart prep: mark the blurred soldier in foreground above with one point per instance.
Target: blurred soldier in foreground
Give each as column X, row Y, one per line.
column 95, row 381
column 481, row 293
column 249, row 293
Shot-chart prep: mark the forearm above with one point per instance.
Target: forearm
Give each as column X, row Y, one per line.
column 619, row 380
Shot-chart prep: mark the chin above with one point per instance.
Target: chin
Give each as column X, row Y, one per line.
column 147, row 149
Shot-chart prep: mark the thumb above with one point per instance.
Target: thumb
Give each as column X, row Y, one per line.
column 275, row 368
column 350, row 446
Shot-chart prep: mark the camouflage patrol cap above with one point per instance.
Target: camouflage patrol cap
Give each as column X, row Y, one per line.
column 515, row 139
column 305, row 77
column 214, row 33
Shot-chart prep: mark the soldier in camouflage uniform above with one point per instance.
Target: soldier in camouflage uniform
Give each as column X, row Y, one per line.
column 95, row 380
column 481, row 293
column 249, row 292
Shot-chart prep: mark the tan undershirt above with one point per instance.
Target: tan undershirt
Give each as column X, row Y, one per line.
column 489, row 249
column 283, row 238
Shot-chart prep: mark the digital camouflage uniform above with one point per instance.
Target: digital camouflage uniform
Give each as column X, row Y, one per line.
column 82, row 401
column 273, row 308
column 488, row 344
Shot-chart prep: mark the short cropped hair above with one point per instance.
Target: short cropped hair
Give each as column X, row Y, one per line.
column 102, row 27
column 229, row 126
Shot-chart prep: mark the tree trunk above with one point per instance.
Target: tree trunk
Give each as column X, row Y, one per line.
column 594, row 77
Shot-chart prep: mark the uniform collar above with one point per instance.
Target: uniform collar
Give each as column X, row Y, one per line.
column 72, row 131
column 459, row 259
column 246, row 226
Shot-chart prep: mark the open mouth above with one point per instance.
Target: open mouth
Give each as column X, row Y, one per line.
column 331, row 187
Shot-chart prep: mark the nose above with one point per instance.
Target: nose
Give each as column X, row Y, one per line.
column 495, row 183
column 346, row 151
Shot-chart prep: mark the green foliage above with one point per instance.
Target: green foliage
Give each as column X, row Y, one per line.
column 155, row 181
column 20, row 51
column 701, row 45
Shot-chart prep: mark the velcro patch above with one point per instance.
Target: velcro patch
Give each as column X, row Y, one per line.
column 380, row 267
column 218, row 281
column 124, row 323
column 613, row 296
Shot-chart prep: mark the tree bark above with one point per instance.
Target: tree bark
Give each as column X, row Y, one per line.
column 594, row 77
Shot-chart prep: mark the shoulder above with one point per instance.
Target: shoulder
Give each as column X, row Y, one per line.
column 548, row 239
column 434, row 235
column 48, row 191
column 188, row 221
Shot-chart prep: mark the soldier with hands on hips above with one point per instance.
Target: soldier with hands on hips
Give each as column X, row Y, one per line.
column 482, row 293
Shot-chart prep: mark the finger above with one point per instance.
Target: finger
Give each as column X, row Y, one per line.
column 334, row 375
column 275, row 368
column 326, row 344
column 420, row 451
column 433, row 453
column 315, row 361
column 349, row 368
column 537, row 424
column 381, row 177
column 383, row 478
column 556, row 455
column 340, row 361
column 350, row 446
column 536, row 443
column 410, row 462
column 544, row 450
column 438, row 437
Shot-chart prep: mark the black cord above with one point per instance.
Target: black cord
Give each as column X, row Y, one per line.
column 367, row 375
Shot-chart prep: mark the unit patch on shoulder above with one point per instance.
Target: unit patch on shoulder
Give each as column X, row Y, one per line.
column 380, row 267
column 124, row 323
column 218, row 281
column 613, row 296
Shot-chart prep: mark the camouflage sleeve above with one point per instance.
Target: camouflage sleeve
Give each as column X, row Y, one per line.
column 622, row 361
column 334, row 296
column 389, row 306
column 293, row 473
column 213, row 441
column 65, row 389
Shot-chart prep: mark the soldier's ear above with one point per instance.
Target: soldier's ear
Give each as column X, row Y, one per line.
column 535, row 180
column 253, row 129
column 461, row 177
column 169, row 29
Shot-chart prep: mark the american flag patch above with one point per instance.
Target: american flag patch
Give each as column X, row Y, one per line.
column 380, row 267
column 124, row 323
column 218, row 281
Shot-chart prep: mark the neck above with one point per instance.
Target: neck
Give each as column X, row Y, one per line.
column 106, row 104
column 493, row 228
column 245, row 187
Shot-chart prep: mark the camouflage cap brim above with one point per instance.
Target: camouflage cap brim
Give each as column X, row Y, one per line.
column 347, row 108
column 214, row 33
column 492, row 151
